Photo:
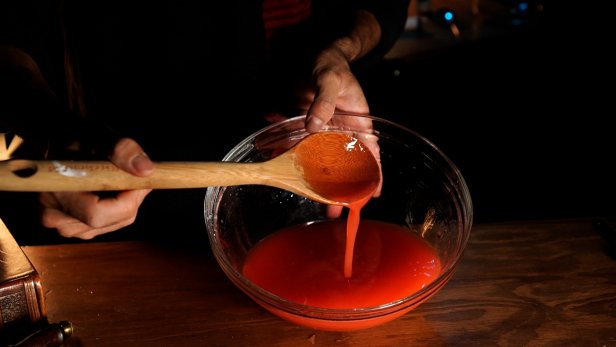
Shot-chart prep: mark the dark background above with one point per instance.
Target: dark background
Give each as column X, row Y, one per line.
column 522, row 107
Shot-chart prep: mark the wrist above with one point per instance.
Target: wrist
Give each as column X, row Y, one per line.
column 348, row 47
column 363, row 37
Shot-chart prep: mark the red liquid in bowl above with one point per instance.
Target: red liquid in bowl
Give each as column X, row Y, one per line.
column 305, row 264
column 338, row 265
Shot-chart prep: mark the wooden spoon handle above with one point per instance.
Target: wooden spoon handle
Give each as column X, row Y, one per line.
column 40, row 176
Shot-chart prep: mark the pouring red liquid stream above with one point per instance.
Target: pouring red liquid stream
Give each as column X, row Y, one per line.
column 349, row 177
column 303, row 263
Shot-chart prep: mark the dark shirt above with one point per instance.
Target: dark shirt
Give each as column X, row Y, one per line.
column 182, row 70
column 187, row 79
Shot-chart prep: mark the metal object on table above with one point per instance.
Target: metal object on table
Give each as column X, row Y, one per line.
column 50, row 335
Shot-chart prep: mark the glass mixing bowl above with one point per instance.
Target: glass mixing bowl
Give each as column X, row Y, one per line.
column 422, row 192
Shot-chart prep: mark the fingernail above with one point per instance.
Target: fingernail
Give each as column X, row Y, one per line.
column 142, row 163
column 314, row 124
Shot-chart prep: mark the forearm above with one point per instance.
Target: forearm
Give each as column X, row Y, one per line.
column 387, row 18
column 362, row 39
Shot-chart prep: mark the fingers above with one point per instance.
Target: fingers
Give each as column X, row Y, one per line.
column 336, row 88
column 274, row 117
column 334, row 211
column 335, row 92
column 322, row 108
column 68, row 226
column 85, row 215
column 130, row 157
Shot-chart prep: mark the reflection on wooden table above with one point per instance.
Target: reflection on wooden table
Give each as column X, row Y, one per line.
column 519, row 283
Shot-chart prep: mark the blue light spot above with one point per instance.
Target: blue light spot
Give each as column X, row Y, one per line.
column 522, row 7
column 448, row 16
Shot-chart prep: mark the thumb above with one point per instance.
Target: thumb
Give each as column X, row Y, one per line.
column 129, row 156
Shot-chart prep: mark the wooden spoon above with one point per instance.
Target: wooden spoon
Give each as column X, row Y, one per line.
column 327, row 167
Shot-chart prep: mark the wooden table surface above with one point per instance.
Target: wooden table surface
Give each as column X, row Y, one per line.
column 535, row 283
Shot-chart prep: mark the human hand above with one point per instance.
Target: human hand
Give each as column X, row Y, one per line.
column 85, row 214
column 362, row 130
column 335, row 88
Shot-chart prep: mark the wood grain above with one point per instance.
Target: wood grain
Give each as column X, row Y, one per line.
column 538, row 283
column 330, row 168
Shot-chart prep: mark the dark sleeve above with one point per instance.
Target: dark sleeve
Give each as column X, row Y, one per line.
column 391, row 15
column 33, row 102
column 34, row 27
column 46, row 125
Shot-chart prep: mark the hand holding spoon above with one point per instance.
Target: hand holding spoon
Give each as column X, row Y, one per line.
column 327, row 167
